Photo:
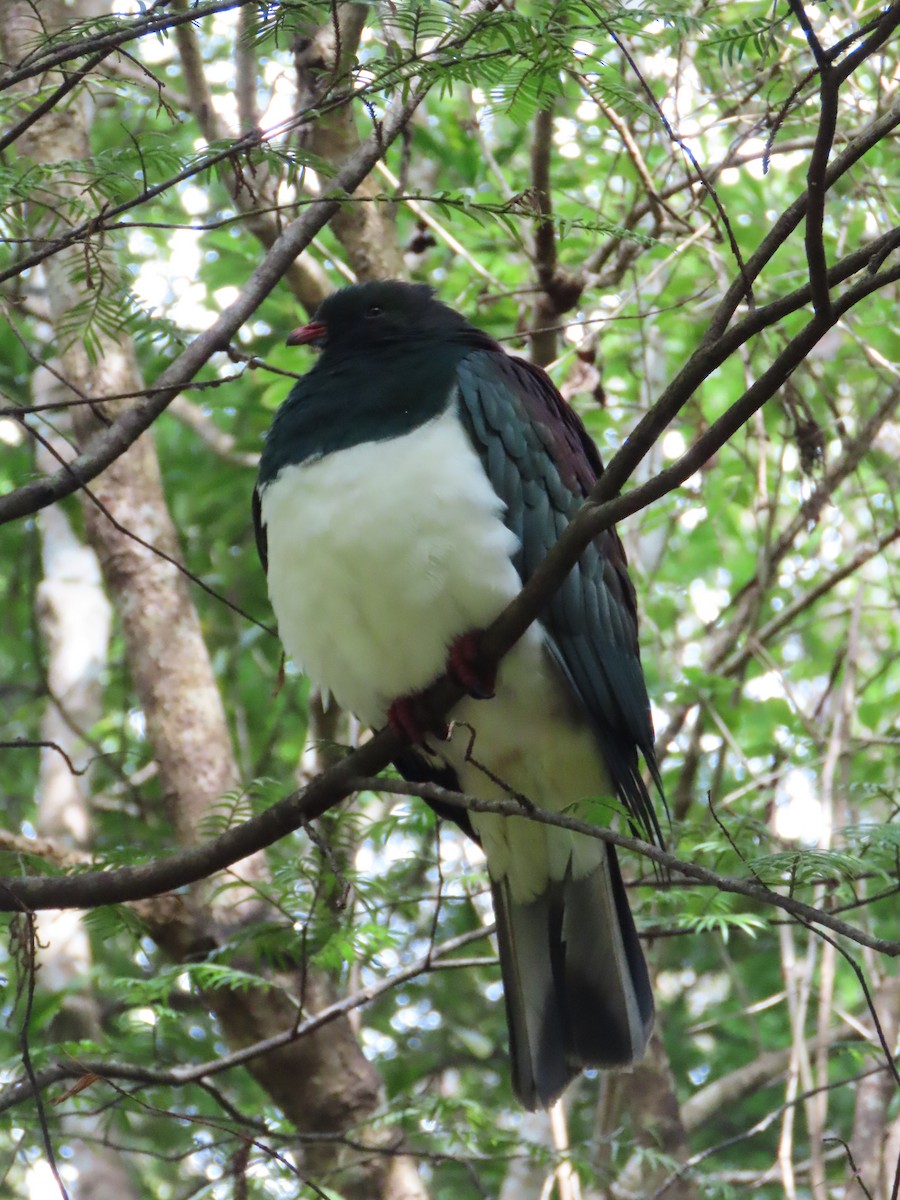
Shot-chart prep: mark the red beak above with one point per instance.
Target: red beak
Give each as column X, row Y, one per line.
column 305, row 335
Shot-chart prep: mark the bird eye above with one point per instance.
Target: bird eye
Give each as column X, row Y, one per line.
column 374, row 310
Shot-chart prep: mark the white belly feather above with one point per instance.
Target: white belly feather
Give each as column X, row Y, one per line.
column 379, row 557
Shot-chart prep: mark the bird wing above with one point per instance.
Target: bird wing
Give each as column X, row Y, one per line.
column 542, row 463
column 259, row 531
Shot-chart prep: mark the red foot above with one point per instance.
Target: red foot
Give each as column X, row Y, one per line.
column 411, row 718
column 466, row 664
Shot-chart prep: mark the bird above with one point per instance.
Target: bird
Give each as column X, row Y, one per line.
column 408, row 487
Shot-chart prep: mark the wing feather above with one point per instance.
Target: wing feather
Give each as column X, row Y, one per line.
column 542, row 462
column 259, row 531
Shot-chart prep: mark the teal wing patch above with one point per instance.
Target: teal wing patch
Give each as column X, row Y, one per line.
column 542, row 463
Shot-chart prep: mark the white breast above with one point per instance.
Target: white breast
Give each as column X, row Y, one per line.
column 379, row 557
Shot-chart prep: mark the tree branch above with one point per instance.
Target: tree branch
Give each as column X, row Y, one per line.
column 304, row 277
column 559, row 291
column 103, row 43
column 49, row 102
column 292, row 812
column 24, row 1089
column 829, row 91
column 856, row 149
column 598, row 512
column 709, row 1101
column 113, row 441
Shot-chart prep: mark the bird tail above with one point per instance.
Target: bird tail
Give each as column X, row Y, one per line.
column 575, row 981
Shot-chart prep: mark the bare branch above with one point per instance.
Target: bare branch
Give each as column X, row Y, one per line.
column 797, row 8
column 855, row 149
column 706, row 1103
column 806, row 600
column 252, row 195
column 760, row 1126
column 27, row 744
column 113, row 441
column 746, row 279
column 49, row 102
column 598, row 512
column 292, row 812
column 559, row 291
column 25, row 943
column 440, row 955
column 815, row 178
column 138, row 27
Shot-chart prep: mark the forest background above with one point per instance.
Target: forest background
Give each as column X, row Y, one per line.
column 226, row 980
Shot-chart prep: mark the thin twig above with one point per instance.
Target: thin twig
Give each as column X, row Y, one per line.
column 760, row 1126
column 599, row 512
column 22, row 1090
column 128, row 31
column 746, row 278
column 28, row 744
column 169, row 558
column 25, row 933
column 50, row 102
column 110, row 443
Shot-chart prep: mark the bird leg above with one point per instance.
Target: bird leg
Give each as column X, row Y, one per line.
column 468, row 667
column 413, row 719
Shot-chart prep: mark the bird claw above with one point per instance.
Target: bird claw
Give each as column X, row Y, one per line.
column 470, row 669
column 413, row 719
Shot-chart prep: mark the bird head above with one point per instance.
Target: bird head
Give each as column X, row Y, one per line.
column 380, row 313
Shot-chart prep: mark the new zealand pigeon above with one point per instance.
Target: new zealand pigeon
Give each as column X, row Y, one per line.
column 409, row 485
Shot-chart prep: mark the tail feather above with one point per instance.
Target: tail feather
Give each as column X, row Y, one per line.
column 575, row 982
column 537, row 1042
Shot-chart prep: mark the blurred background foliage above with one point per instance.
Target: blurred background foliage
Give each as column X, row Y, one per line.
column 767, row 584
